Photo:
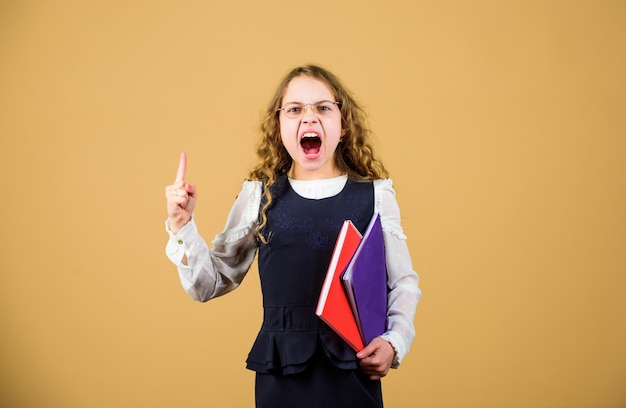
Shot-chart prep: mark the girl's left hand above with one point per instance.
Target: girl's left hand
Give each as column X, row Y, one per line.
column 376, row 358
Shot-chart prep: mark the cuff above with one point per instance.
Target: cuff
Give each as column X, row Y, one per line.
column 175, row 249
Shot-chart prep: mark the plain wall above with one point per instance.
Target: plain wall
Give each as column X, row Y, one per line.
column 502, row 123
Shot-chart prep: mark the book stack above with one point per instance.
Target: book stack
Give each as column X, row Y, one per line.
column 353, row 300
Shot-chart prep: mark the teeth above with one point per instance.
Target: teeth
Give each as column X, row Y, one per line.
column 310, row 134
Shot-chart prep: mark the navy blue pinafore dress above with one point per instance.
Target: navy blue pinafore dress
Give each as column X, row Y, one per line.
column 299, row 361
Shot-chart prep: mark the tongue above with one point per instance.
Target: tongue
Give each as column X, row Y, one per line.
column 311, row 146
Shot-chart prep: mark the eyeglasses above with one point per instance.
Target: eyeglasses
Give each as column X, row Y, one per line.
column 323, row 108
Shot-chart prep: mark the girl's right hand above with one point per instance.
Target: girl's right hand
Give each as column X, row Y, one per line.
column 181, row 198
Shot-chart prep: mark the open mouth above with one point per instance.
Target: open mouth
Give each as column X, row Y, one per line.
column 311, row 143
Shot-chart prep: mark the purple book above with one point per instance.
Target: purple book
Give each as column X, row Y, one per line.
column 365, row 281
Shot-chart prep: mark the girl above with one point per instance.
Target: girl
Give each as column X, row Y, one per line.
column 316, row 169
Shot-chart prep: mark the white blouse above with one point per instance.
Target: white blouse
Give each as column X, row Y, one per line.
column 213, row 272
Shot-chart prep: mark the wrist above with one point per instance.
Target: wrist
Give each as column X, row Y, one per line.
column 395, row 353
column 175, row 225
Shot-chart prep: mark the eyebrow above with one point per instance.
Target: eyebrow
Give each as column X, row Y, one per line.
column 312, row 103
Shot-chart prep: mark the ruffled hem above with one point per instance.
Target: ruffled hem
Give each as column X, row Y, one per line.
column 290, row 352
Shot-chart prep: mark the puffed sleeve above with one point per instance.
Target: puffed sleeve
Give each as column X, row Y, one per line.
column 404, row 292
column 210, row 273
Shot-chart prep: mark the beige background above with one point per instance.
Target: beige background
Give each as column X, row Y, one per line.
column 503, row 125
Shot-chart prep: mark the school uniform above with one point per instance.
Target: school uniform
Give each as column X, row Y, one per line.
column 300, row 362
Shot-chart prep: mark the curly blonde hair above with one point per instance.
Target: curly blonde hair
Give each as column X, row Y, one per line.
column 354, row 155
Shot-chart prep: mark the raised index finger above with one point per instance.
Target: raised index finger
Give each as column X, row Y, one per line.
column 182, row 168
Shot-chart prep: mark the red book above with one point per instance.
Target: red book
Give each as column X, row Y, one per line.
column 333, row 306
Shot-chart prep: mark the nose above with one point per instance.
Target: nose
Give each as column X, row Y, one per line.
column 308, row 114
